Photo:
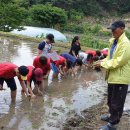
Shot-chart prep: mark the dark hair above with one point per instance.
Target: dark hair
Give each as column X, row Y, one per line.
column 98, row 69
column 23, row 70
column 38, row 82
column 69, row 64
column 102, row 57
column 98, row 53
column 79, row 62
column 96, row 58
column 43, row 60
column 50, row 37
column 74, row 40
column 89, row 57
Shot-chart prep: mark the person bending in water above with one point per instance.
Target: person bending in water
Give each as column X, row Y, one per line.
column 43, row 63
column 59, row 68
column 86, row 58
column 76, row 62
column 35, row 75
column 7, row 73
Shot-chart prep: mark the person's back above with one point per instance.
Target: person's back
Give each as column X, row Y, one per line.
column 43, row 63
column 60, row 62
column 104, row 53
column 91, row 52
column 83, row 56
column 69, row 57
column 7, row 70
column 7, row 73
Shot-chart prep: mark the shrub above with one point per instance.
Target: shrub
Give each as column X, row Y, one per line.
column 89, row 41
column 72, row 27
column 104, row 33
column 128, row 34
column 96, row 28
column 75, row 16
column 11, row 17
column 48, row 15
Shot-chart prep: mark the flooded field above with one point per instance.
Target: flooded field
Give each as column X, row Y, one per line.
column 72, row 95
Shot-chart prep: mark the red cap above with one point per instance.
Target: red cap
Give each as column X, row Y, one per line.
column 38, row 74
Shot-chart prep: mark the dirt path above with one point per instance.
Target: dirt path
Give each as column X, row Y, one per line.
column 91, row 119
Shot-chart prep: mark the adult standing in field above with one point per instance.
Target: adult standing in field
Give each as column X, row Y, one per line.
column 117, row 65
column 7, row 73
column 45, row 47
column 75, row 47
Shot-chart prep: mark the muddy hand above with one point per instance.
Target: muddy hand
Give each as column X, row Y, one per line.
column 97, row 64
column 33, row 96
column 28, row 95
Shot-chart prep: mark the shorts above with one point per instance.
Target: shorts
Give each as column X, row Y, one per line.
column 54, row 68
column 10, row 83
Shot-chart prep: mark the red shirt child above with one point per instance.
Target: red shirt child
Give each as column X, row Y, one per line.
column 60, row 62
column 93, row 54
column 43, row 63
column 7, row 73
column 104, row 52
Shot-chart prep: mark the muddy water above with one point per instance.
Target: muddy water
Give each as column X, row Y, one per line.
column 48, row 112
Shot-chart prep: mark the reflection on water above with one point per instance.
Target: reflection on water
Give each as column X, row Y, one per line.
column 50, row 111
column 8, row 49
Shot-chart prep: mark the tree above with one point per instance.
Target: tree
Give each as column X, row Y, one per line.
column 91, row 7
column 48, row 15
column 26, row 3
column 12, row 16
column 6, row 1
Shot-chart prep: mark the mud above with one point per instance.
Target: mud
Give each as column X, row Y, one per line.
column 90, row 119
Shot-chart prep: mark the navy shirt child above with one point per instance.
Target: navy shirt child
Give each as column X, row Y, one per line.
column 76, row 48
column 45, row 47
column 69, row 57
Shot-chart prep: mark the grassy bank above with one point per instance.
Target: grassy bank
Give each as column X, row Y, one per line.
column 37, row 40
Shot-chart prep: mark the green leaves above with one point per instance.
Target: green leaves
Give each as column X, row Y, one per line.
column 48, row 15
column 6, row 1
column 12, row 16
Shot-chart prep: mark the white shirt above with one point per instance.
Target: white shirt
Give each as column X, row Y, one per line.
column 47, row 48
column 83, row 56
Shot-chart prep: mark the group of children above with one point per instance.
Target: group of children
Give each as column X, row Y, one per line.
column 47, row 64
